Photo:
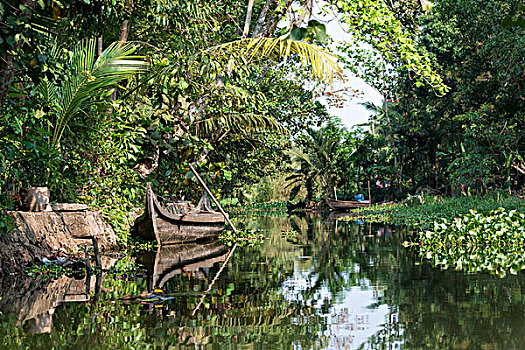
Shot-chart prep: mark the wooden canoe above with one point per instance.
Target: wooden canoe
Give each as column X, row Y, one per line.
column 193, row 258
column 189, row 224
column 346, row 205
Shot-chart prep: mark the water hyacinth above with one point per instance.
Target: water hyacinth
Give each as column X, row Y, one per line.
column 492, row 241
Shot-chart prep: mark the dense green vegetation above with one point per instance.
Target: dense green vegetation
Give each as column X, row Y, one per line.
column 469, row 138
column 98, row 97
column 178, row 87
column 451, row 234
column 461, row 140
column 422, row 211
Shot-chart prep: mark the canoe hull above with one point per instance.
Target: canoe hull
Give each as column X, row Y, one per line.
column 346, row 205
column 167, row 228
column 172, row 231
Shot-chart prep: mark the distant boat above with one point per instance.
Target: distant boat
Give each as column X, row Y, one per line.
column 193, row 258
column 183, row 223
column 346, row 205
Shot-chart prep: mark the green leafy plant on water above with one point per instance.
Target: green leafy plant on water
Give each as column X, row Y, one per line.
column 242, row 238
column 249, row 237
column 424, row 210
column 273, row 205
column 138, row 245
column 51, row 272
column 490, row 241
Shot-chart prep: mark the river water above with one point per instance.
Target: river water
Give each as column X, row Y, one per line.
column 332, row 285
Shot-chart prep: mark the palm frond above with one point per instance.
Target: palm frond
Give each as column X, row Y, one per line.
column 49, row 91
column 91, row 75
column 245, row 123
column 369, row 106
column 322, row 63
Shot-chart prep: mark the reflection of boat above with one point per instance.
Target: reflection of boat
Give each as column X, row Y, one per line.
column 184, row 223
column 194, row 258
column 346, row 205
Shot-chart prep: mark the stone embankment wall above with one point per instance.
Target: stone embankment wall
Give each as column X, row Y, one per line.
column 42, row 234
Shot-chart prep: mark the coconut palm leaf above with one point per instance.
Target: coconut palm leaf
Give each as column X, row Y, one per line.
column 91, row 76
column 322, row 63
column 245, row 123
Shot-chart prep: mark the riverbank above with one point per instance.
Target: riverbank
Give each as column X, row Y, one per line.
column 38, row 235
column 424, row 210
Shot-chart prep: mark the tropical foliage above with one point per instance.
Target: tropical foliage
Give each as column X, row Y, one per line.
column 103, row 101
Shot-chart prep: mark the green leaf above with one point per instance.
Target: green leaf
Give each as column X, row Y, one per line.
column 297, row 33
column 318, row 29
column 294, row 192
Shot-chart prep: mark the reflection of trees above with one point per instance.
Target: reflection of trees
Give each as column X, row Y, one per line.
column 429, row 308
column 449, row 309
column 446, row 309
column 344, row 255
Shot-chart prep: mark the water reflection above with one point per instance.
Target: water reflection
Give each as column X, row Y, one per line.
column 193, row 259
column 31, row 302
column 334, row 285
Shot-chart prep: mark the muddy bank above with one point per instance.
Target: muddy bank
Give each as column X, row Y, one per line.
column 41, row 234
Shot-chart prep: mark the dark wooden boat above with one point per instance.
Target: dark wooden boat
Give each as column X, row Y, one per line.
column 346, row 205
column 183, row 223
column 192, row 258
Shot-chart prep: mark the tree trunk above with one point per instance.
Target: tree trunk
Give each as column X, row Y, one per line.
column 124, row 30
column 262, row 18
column 248, row 19
column 271, row 22
column 124, row 26
column 100, row 45
column 123, row 35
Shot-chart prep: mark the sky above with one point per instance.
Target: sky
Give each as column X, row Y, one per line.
column 352, row 112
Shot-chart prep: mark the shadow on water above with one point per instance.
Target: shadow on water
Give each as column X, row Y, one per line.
column 333, row 285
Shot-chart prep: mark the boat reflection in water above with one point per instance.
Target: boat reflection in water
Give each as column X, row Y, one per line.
column 170, row 260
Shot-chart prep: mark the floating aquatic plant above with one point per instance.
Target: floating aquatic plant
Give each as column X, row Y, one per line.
column 492, row 241
column 242, row 237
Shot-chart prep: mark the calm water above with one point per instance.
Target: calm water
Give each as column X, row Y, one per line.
column 333, row 286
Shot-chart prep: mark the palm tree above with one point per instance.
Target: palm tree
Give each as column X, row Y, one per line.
column 318, row 164
column 238, row 55
column 91, row 75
